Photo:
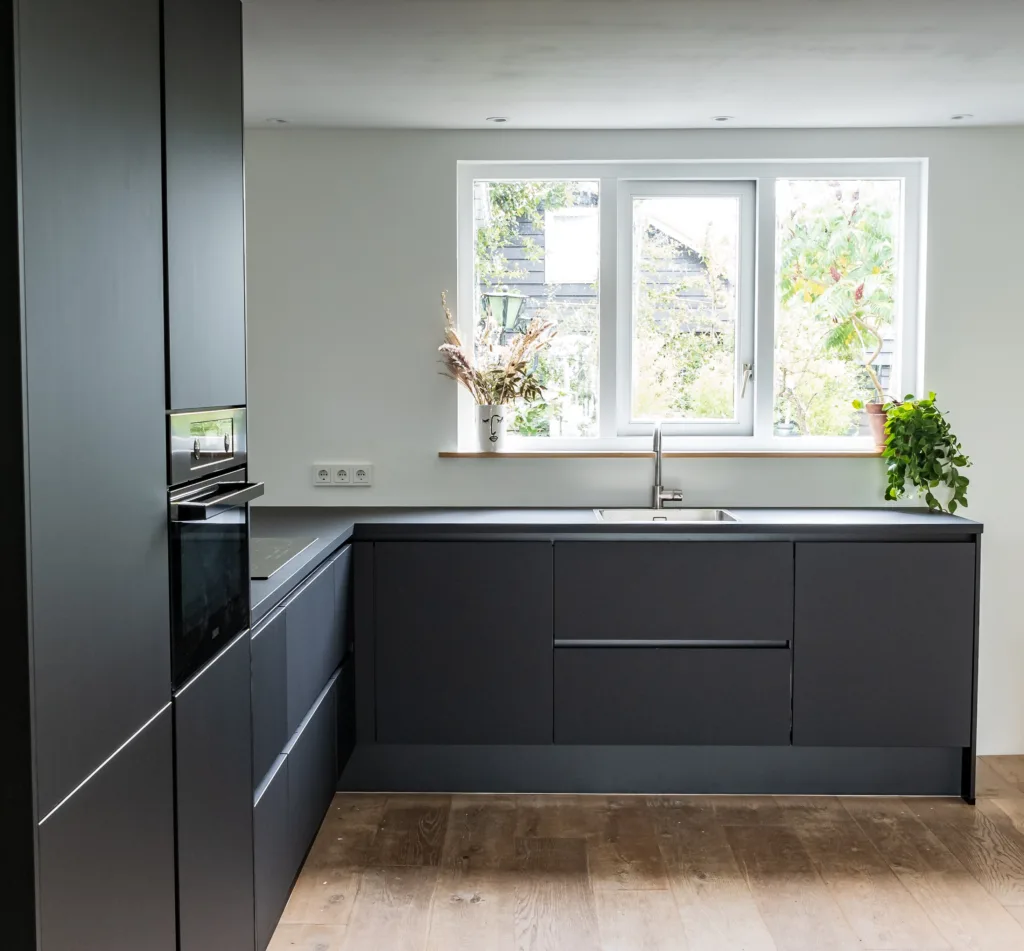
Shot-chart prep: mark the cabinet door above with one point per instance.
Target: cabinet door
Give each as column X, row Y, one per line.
column 204, row 202
column 674, row 591
column 884, row 644
column 463, row 642
column 269, row 693
column 106, row 856
column 272, row 852
column 343, row 599
column 672, row 695
column 213, row 773
column 92, row 258
column 314, row 643
column 312, row 774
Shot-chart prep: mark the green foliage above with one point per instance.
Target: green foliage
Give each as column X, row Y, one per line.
column 921, row 450
column 511, row 202
column 836, row 285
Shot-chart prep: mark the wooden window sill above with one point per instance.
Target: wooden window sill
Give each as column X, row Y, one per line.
column 686, row 454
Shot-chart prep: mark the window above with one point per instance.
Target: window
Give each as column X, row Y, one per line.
column 744, row 306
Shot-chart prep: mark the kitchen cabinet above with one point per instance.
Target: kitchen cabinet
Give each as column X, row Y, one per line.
column 312, row 773
column 672, row 695
column 106, row 855
column 343, row 598
column 92, row 257
column 273, row 852
column 213, row 776
column 686, row 591
column 269, row 651
column 463, row 641
column 884, row 644
column 314, row 636
column 205, row 203
column 291, row 803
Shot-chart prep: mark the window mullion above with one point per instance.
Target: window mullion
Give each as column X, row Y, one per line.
column 764, row 325
column 608, row 278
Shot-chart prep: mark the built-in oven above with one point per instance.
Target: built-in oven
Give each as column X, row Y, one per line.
column 208, row 504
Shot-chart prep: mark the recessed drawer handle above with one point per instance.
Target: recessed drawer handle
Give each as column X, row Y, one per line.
column 627, row 642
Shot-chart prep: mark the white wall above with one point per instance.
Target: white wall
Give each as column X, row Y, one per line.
column 352, row 235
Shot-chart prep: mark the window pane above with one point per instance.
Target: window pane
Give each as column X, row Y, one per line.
column 685, row 274
column 537, row 256
column 835, row 308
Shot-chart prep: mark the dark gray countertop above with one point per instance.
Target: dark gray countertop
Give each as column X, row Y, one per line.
column 333, row 526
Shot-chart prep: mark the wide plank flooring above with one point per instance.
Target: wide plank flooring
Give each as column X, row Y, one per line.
column 680, row 873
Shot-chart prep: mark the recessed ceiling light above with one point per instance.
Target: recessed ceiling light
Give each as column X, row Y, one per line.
column 960, row 116
column 276, row 121
column 497, row 118
column 722, row 118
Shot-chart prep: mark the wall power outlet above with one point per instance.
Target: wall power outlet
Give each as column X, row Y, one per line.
column 343, row 473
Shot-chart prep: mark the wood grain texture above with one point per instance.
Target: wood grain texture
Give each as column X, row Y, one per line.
column 412, row 831
column 554, row 904
column 794, row 902
column 680, row 873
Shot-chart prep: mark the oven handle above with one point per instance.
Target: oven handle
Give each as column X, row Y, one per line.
column 239, row 493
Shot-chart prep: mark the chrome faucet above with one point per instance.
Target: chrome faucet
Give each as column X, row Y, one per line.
column 661, row 494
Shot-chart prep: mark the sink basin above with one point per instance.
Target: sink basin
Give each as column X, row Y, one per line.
column 665, row 515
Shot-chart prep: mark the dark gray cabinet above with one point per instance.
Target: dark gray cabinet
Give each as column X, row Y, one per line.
column 106, row 856
column 666, row 695
column 884, row 644
column 202, row 47
column 312, row 773
column 463, row 642
column 343, row 598
column 213, row 774
column 92, row 252
column 269, row 692
column 291, row 803
column 314, row 642
column 674, row 591
column 273, row 852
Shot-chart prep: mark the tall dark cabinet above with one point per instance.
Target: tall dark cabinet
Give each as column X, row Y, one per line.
column 205, row 203
column 121, row 203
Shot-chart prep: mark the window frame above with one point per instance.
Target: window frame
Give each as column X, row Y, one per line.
column 617, row 181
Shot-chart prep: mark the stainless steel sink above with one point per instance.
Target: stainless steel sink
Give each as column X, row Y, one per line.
column 665, row 515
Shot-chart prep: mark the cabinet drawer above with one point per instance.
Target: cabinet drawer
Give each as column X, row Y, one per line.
column 314, row 643
column 674, row 591
column 269, row 693
column 661, row 695
column 312, row 774
column 272, row 853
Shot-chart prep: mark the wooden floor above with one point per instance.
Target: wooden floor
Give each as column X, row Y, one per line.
column 687, row 873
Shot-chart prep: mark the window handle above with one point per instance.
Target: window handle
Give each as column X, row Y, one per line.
column 748, row 375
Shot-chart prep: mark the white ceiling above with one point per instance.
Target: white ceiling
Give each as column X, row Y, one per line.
column 587, row 64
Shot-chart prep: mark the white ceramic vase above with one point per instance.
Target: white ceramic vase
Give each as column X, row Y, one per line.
column 490, row 427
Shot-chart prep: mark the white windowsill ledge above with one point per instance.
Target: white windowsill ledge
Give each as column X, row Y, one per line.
column 685, row 454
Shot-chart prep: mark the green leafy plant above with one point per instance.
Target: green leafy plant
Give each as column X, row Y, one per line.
column 921, row 449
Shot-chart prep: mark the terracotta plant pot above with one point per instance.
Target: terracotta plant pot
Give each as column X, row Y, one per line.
column 876, row 420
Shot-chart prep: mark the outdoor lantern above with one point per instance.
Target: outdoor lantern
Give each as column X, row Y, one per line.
column 507, row 311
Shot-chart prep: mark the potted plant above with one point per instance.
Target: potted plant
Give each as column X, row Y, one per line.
column 922, row 451
column 502, row 374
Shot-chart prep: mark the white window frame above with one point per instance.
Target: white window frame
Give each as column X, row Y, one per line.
column 628, row 190
column 619, row 181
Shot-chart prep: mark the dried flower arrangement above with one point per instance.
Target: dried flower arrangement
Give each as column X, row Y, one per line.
column 505, row 373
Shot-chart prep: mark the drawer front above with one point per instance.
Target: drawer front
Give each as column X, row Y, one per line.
column 661, row 695
column 269, row 694
column 273, row 862
column 314, row 644
column 343, row 600
column 312, row 774
column 674, row 591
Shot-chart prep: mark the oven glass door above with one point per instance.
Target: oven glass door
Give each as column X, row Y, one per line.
column 210, row 575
